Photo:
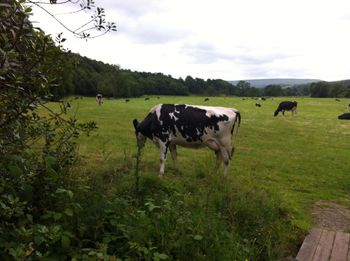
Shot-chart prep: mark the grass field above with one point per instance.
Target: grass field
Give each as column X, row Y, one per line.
column 294, row 160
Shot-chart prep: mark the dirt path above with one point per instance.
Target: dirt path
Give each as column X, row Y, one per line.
column 331, row 216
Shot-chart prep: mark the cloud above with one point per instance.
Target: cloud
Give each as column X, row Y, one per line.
column 207, row 53
column 132, row 8
column 225, row 39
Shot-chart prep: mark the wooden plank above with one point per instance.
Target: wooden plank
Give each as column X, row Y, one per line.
column 324, row 247
column 308, row 248
column 340, row 247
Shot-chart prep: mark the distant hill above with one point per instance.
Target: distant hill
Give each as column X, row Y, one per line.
column 261, row 83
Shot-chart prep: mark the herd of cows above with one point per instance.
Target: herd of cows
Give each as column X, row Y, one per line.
column 172, row 125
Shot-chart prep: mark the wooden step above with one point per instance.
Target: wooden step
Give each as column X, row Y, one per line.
column 325, row 245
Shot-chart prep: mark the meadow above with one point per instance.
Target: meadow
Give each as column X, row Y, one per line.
column 282, row 166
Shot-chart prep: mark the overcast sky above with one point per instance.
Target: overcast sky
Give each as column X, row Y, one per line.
column 226, row 39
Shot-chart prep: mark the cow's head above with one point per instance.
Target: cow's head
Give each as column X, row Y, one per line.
column 141, row 139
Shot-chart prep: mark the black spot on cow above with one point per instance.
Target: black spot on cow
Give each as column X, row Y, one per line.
column 286, row 106
column 206, row 99
column 191, row 121
column 344, row 116
column 257, row 104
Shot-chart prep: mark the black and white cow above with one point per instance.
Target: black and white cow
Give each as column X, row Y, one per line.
column 286, row 106
column 99, row 99
column 257, row 104
column 169, row 125
column 344, row 116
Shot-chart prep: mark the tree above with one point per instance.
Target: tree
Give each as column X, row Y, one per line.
column 273, row 90
column 243, row 87
column 31, row 177
column 319, row 89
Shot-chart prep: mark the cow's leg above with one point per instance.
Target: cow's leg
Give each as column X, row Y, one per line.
column 283, row 112
column 163, row 151
column 172, row 149
column 218, row 161
column 225, row 154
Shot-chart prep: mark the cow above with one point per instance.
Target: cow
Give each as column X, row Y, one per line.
column 286, row 106
column 337, row 100
column 127, row 100
column 206, row 99
column 169, row 125
column 344, row 116
column 99, row 99
column 257, row 104
column 147, row 98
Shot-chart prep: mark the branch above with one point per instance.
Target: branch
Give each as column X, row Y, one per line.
column 80, row 31
column 42, row 8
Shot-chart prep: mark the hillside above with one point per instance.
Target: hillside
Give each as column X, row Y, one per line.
column 261, row 83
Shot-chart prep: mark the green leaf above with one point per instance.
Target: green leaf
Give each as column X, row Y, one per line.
column 162, row 256
column 50, row 161
column 28, row 10
column 15, row 170
column 65, row 241
column 38, row 240
column 68, row 212
column 159, row 256
column 198, row 237
column 57, row 216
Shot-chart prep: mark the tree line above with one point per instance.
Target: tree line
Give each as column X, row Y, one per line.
column 84, row 76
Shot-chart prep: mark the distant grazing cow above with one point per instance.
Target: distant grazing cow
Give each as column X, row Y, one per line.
column 146, row 99
column 99, row 99
column 345, row 116
column 286, row 106
column 257, row 104
column 127, row 100
column 263, row 98
column 169, row 125
column 206, row 99
column 158, row 97
column 337, row 100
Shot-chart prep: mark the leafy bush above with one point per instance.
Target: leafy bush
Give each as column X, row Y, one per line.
column 36, row 151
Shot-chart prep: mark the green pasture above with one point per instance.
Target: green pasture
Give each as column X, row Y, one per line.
column 297, row 159
column 307, row 157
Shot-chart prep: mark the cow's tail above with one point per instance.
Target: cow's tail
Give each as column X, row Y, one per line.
column 234, row 133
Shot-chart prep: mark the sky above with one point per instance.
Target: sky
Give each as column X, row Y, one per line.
column 221, row 39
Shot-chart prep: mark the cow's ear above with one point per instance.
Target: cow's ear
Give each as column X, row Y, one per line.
column 136, row 124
